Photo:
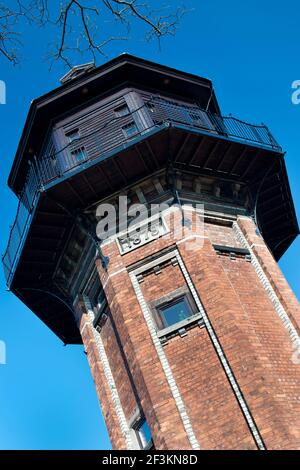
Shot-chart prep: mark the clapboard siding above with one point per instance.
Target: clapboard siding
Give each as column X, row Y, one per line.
column 49, row 164
column 100, row 128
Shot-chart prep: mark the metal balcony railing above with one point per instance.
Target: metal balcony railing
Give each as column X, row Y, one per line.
column 157, row 112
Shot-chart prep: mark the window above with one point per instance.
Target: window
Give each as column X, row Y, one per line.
column 151, row 107
column 122, row 110
column 97, row 297
column 98, row 301
column 130, row 130
column 175, row 311
column 73, row 135
column 79, row 155
column 143, row 434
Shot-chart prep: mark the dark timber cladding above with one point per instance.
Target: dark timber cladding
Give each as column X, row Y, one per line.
column 182, row 124
column 119, row 72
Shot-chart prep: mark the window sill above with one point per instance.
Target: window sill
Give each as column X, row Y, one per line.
column 180, row 327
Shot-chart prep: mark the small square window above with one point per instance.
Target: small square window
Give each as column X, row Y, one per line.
column 79, row 155
column 130, row 129
column 73, row 135
column 174, row 312
column 122, row 110
column 143, row 434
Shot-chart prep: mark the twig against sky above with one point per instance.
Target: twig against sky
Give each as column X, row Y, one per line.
column 78, row 24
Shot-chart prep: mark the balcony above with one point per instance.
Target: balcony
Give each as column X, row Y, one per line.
column 156, row 115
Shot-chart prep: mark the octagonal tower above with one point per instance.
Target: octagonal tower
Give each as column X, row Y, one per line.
column 189, row 325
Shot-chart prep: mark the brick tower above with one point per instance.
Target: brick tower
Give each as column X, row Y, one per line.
column 190, row 328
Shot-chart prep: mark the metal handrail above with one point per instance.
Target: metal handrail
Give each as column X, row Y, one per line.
column 49, row 167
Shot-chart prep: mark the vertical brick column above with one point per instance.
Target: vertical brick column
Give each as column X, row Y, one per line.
column 271, row 269
column 102, row 387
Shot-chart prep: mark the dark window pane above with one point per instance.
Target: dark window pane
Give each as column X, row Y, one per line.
column 122, row 110
column 79, row 155
column 101, row 301
column 151, row 107
column 73, row 135
column 130, row 129
column 175, row 312
column 144, row 434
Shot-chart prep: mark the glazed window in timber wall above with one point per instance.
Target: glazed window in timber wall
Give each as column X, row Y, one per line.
column 175, row 311
column 130, row 130
column 122, row 110
column 151, row 107
column 79, row 155
column 73, row 135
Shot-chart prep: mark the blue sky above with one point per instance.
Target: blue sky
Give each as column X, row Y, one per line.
column 251, row 52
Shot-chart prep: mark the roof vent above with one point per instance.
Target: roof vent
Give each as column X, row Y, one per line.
column 77, row 71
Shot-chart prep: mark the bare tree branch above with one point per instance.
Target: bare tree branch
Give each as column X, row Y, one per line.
column 77, row 22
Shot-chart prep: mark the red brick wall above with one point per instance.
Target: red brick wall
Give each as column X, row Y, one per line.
column 253, row 338
column 272, row 271
column 120, row 369
column 101, row 385
column 221, row 235
column 274, row 348
column 201, row 380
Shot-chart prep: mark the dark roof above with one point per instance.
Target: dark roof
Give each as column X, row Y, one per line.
column 124, row 69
